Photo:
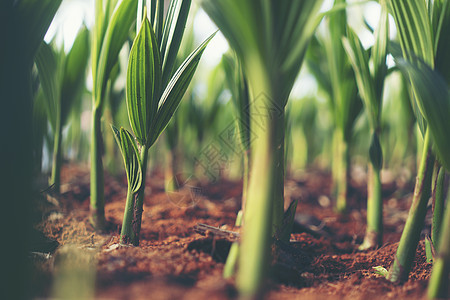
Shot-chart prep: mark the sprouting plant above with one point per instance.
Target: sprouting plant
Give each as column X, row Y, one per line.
column 62, row 77
column 424, row 47
column 270, row 39
column 433, row 98
column 153, row 93
column 329, row 63
column 370, row 74
column 110, row 33
column 133, row 168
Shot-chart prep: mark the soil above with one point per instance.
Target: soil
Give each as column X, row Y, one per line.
column 175, row 262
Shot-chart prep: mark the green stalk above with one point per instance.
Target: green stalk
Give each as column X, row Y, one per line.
column 374, row 230
column 430, row 246
column 438, row 207
column 270, row 38
column 57, row 155
column 169, row 179
column 233, row 256
column 127, row 233
column 438, row 285
column 399, row 270
column 97, row 189
column 256, row 236
column 110, row 33
column 138, row 209
column 245, row 180
column 278, row 196
column 340, row 170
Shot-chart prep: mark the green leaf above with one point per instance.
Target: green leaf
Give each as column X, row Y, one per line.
column 143, row 82
column 328, row 60
column 317, row 65
column 360, row 62
column 433, row 98
column 103, row 11
column 74, row 75
column 441, row 20
column 379, row 52
column 175, row 90
column 414, row 29
column 48, row 71
column 115, row 36
column 172, row 34
column 396, row 52
column 32, row 21
column 130, row 156
column 237, row 83
column 302, row 19
column 158, row 20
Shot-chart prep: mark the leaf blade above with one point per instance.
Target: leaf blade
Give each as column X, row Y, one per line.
column 433, row 98
column 173, row 93
column 130, row 155
column 116, row 34
column 143, row 81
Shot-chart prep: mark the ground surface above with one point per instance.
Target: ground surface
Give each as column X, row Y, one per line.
column 174, row 262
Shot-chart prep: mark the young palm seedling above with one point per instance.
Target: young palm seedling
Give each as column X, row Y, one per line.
column 110, row 33
column 370, row 74
column 270, row 39
column 424, row 48
column 152, row 99
column 433, row 99
column 335, row 75
column 62, row 79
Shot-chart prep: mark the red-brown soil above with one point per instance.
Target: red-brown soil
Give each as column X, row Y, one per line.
column 174, row 262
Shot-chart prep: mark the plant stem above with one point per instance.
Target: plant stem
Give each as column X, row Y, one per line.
column 139, row 204
column 406, row 250
column 340, row 170
column 256, row 235
column 57, row 154
column 374, row 231
column 245, row 180
column 97, row 189
column 111, row 163
column 127, row 233
column 233, row 255
column 438, row 206
column 278, row 202
column 170, row 173
column 438, row 285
